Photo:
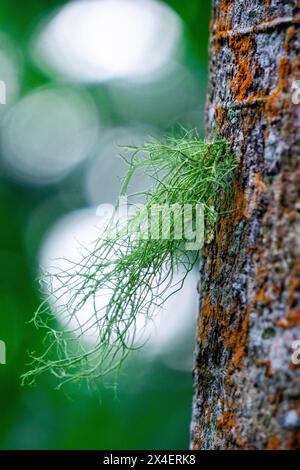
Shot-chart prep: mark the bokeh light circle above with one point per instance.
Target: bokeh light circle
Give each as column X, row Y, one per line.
column 47, row 133
column 97, row 40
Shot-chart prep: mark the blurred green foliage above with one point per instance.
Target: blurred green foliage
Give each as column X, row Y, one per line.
column 151, row 407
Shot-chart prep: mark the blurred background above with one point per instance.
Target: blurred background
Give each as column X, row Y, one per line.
column 83, row 78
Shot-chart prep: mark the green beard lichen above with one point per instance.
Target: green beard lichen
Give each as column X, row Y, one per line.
column 138, row 273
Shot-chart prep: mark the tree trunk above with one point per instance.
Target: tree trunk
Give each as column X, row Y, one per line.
column 247, row 387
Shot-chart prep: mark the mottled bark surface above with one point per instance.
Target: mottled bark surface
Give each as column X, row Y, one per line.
column 247, row 389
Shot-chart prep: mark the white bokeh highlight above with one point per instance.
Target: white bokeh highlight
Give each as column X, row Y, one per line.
column 47, row 133
column 99, row 40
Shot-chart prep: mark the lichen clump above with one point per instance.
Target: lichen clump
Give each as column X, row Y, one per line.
column 130, row 274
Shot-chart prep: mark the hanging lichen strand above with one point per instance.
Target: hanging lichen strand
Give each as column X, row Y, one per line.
column 128, row 273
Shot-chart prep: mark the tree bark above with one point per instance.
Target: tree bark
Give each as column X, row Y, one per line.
column 246, row 386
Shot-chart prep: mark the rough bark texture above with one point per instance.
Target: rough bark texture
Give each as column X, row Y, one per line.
column 247, row 390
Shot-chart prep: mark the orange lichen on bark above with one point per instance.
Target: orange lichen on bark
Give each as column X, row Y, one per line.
column 294, row 289
column 294, row 440
column 234, row 338
column 197, row 440
column 259, row 184
column 220, row 113
column 292, row 317
column 289, row 36
column 207, row 314
column 269, row 371
column 226, row 224
column 262, row 296
column 291, row 320
column 223, row 22
column 274, row 442
column 233, row 334
column 237, row 339
column 292, row 215
column 276, row 103
column 208, row 415
column 293, row 366
column 254, row 195
column 239, row 204
column 226, row 422
column 242, row 47
column 242, row 443
column 282, row 323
